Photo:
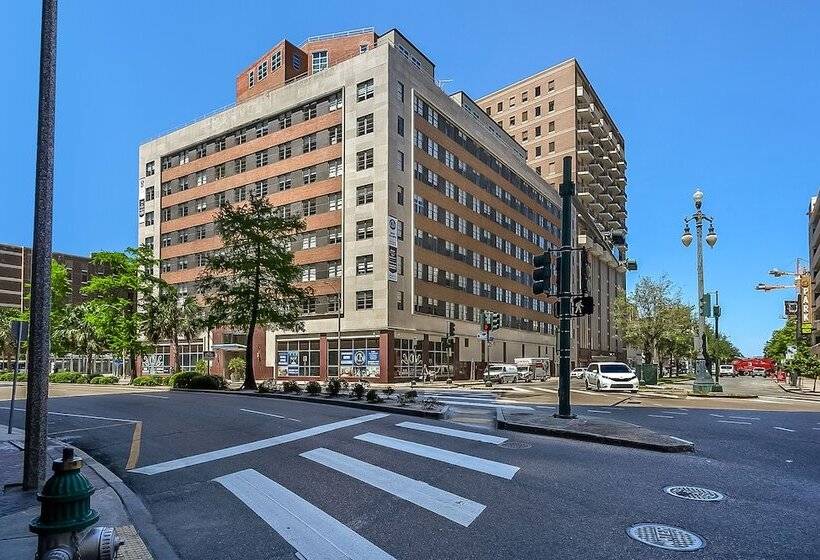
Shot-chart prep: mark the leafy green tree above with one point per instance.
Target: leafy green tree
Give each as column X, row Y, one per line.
column 171, row 316
column 721, row 348
column 803, row 364
column 60, row 297
column 8, row 344
column 78, row 335
column 116, row 312
column 252, row 280
column 781, row 339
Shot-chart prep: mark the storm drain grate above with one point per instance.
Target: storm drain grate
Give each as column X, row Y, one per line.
column 515, row 445
column 666, row 537
column 694, row 493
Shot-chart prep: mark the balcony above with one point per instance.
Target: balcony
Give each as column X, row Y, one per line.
column 605, row 180
column 597, row 150
column 584, row 153
column 606, row 161
column 584, row 174
column 613, row 189
column 605, row 217
column 584, row 133
column 585, row 195
column 595, row 206
column 583, row 95
column 607, row 142
column 595, row 167
column 597, row 127
column 614, row 208
column 596, row 187
column 621, row 182
column 587, row 114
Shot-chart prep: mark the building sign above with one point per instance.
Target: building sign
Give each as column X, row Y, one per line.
column 392, row 249
column 806, row 303
column 153, row 364
column 790, row 308
column 361, row 363
column 287, row 363
column 142, row 207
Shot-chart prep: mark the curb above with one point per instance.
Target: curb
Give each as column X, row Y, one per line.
column 503, row 424
column 147, row 530
column 435, row 415
column 722, row 396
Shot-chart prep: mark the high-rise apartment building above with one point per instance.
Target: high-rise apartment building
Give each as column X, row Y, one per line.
column 420, row 210
column 556, row 113
column 814, row 273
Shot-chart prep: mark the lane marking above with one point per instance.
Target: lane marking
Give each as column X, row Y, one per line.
column 600, row 411
column 545, row 390
column 312, row 532
column 262, row 413
column 90, row 428
column 815, row 428
column 783, row 429
column 487, row 405
column 521, row 390
column 717, row 415
column 546, row 407
column 491, row 398
column 294, row 419
column 661, row 416
column 734, row 422
column 675, row 412
column 136, row 443
column 683, row 440
column 80, row 415
column 451, row 457
column 199, row 458
column 743, row 418
column 475, row 436
column 150, row 396
column 443, row 503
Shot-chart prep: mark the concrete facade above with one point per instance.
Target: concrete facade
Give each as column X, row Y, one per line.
column 396, row 160
column 557, row 113
column 814, row 270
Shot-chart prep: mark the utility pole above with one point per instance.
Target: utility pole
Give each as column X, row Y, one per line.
column 716, row 313
column 34, row 459
column 567, row 191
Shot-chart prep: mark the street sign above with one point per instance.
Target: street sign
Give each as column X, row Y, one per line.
column 790, row 308
column 790, row 352
column 484, row 335
column 19, row 330
column 582, row 305
column 209, row 354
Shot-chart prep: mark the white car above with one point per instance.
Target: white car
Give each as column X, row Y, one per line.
column 502, row 373
column 758, row 372
column 578, row 372
column 611, row 376
column 727, row 369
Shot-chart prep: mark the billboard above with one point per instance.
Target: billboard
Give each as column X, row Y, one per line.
column 392, row 249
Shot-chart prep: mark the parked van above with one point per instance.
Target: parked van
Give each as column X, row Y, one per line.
column 501, row 373
column 727, row 369
column 530, row 369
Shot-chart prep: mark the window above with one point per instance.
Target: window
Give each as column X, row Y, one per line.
column 308, row 143
column 401, row 265
column 149, row 218
column 285, row 182
column 166, row 214
column 308, row 175
column 538, row 110
column 149, row 242
column 537, row 131
column 201, row 178
column 250, row 78
column 364, row 194
column 500, row 106
column 512, row 102
column 364, row 229
column 364, row 159
column 284, row 151
column 551, row 85
column 261, row 188
column 334, row 269
column 334, row 236
column 296, row 62
column 239, row 165
column 166, row 266
column 552, row 147
column 335, row 102
column 275, row 60
column 262, row 70
column 182, row 237
column 400, row 126
column 149, row 168
column 334, row 202
column 201, row 205
column 285, row 121
column 551, row 126
column 149, row 193
column 551, row 167
column 182, row 211
column 364, row 125
column 202, row 259
column 219, row 145
column 318, row 61
column 261, row 158
column 364, row 299
column 200, row 232
column 309, row 112
column 334, row 168
column 364, row 90
column 400, row 91
column 335, row 134
column 240, row 194
column 183, row 157
column 401, row 160
column 182, row 263
column 262, row 129
column 538, row 169
column 524, row 136
column 537, row 91
column 524, row 116
column 219, row 171
column 551, row 106
column 309, row 207
column 364, row 265
column 400, row 195
column 400, row 300
column 400, row 229
column 183, row 184
column 308, row 273
column 362, row 48
column 512, row 120
column 537, row 151
column 488, row 110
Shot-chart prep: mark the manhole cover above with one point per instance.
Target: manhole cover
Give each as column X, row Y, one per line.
column 694, row 493
column 515, row 445
column 666, row 537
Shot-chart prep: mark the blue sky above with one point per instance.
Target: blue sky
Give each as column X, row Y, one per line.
column 721, row 95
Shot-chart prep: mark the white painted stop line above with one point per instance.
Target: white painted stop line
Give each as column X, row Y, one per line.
column 494, row 468
column 463, row 434
column 486, row 405
column 443, row 503
column 312, row 532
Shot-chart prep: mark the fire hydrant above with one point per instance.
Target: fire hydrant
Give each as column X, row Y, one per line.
column 65, row 512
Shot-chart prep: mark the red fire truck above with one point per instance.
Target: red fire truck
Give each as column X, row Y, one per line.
column 746, row 366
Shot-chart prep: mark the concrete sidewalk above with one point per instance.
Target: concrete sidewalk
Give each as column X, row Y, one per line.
column 18, row 507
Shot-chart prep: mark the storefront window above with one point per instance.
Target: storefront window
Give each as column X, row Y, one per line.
column 190, row 354
column 360, row 357
column 408, row 357
column 297, row 358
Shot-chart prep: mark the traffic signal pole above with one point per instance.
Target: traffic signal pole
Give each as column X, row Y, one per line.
column 567, row 191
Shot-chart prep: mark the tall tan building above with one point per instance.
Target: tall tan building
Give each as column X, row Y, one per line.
column 814, row 272
column 420, row 211
column 556, row 113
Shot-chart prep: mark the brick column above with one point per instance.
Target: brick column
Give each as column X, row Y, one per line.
column 323, row 357
column 387, row 358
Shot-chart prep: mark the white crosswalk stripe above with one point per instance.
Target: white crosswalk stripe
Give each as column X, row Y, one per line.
column 478, row 464
column 486, row 405
column 475, row 436
column 443, row 503
column 312, row 532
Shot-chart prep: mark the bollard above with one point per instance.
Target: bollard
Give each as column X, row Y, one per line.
column 65, row 511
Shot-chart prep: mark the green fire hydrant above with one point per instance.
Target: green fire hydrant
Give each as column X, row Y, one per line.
column 65, row 511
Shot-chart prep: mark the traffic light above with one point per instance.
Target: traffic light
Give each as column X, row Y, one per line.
column 495, row 324
column 451, row 329
column 584, row 272
column 706, row 305
column 541, row 273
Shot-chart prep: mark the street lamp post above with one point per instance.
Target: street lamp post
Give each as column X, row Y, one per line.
column 703, row 379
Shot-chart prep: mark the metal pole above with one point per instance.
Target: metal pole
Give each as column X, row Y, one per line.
column 338, row 334
column 716, row 312
column 567, row 191
column 703, row 379
column 16, row 372
column 34, row 459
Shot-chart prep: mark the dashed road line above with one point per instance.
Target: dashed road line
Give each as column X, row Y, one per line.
column 443, row 503
column 262, row 413
column 717, row 415
column 462, row 434
column 600, row 411
column 209, row 456
column 478, row 464
column 683, row 440
column 783, row 429
column 734, row 422
column 312, row 532
column 486, row 405
column 744, row 418
column 676, row 412
column 661, row 416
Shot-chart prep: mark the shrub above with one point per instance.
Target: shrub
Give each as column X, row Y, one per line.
column 357, row 391
column 8, row 376
column 313, row 388
column 267, row 386
column 104, row 380
column 291, row 387
column 207, row 382
column 67, row 377
column 373, row 396
column 181, row 379
column 148, row 381
column 91, row 376
column 388, row 390
column 201, row 367
column 333, row 386
column 236, row 368
column 411, row 395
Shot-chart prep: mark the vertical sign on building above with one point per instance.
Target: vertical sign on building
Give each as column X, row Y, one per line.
column 142, row 202
column 392, row 249
column 807, row 303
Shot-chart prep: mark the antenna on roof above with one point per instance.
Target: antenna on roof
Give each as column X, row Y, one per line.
column 439, row 83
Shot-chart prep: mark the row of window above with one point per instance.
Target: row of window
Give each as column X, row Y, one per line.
column 537, row 132
column 261, row 71
column 525, row 117
column 524, row 95
column 450, row 310
column 479, row 152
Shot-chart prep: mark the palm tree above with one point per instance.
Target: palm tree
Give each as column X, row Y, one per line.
column 170, row 316
column 77, row 335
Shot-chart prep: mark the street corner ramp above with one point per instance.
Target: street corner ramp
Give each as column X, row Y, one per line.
column 593, row 429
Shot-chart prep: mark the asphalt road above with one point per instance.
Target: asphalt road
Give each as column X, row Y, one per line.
column 307, row 478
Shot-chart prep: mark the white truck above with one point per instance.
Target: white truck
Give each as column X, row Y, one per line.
column 532, row 369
